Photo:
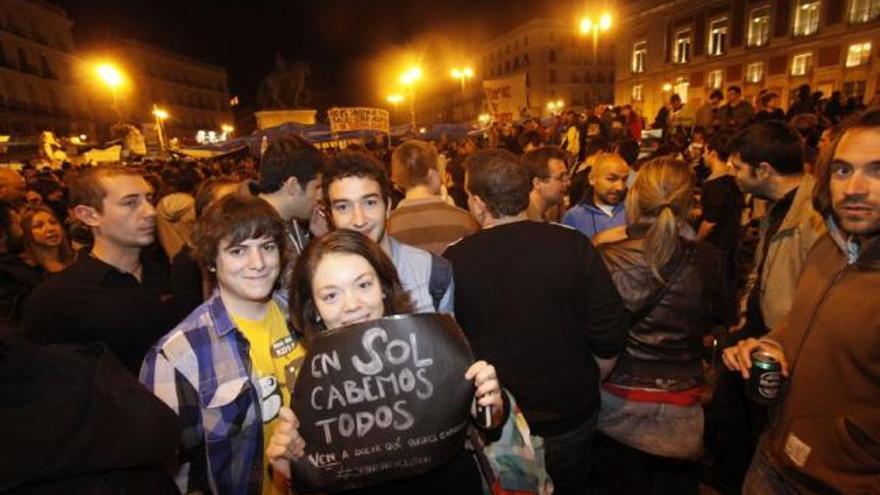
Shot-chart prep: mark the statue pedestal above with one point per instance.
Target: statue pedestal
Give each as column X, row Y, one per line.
column 274, row 118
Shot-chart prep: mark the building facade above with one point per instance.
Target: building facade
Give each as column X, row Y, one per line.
column 194, row 94
column 39, row 85
column 560, row 63
column 690, row 47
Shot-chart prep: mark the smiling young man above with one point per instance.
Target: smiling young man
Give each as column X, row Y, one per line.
column 227, row 368
column 357, row 192
column 111, row 294
column 824, row 435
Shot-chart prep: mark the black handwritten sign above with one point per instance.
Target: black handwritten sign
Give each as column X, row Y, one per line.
column 381, row 400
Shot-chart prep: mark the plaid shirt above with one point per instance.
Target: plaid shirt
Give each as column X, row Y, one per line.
column 201, row 369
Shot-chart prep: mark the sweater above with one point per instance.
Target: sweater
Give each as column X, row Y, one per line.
column 535, row 300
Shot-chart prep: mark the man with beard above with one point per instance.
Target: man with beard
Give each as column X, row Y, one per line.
column 546, row 166
column 604, row 208
column 824, row 437
column 768, row 162
column 113, row 293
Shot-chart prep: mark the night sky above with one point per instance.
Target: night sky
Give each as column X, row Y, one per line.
column 352, row 46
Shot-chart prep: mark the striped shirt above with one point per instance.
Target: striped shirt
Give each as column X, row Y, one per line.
column 430, row 223
column 201, row 371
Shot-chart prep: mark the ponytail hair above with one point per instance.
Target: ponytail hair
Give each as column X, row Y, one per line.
column 662, row 196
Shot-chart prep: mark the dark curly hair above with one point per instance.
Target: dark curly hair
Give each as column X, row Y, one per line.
column 304, row 313
column 355, row 164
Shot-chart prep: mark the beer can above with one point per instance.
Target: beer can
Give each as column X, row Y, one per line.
column 765, row 380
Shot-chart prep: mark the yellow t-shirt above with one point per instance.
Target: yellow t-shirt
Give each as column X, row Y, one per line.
column 275, row 361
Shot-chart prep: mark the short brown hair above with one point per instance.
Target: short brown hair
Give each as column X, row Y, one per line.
column 303, row 311
column 354, row 164
column 236, row 217
column 869, row 119
column 87, row 189
column 500, row 180
column 411, row 162
column 537, row 161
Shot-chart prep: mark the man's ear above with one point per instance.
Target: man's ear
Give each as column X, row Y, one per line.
column 765, row 170
column 87, row 215
column 291, row 186
column 536, row 181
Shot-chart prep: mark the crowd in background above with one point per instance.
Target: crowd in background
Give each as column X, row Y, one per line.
column 684, row 240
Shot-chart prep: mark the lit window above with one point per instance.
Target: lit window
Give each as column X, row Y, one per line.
column 637, row 92
column 759, row 26
column 681, row 86
column 802, row 64
column 755, row 72
column 806, row 17
column 715, row 79
column 682, row 46
column 717, row 36
column 863, row 10
column 858, row 54
column 639, row 58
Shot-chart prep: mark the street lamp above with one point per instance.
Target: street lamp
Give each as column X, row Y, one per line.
column 395, row 100
column 160, row 115
column 592, row 26
column 409, row 79
column 667, row 87
column 112, row 78
column 463, row 75
column 227, row 131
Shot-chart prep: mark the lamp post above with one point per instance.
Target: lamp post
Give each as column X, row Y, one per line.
column 112, row 78
column 409, row 79
column 395, row 100
column 463, row 75
column 592, row 26
column 555, row 107
column 160, row 115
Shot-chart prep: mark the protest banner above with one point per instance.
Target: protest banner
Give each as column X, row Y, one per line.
column 359, row 119
column 381, row 400
column 506, row 98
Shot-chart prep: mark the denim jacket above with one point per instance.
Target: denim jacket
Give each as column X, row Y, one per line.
column 201, row 369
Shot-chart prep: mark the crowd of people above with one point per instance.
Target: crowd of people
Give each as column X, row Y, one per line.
column 155, row 316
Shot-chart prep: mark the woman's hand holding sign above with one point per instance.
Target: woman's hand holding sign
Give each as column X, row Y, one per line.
column 286, row 444
column 488, row 390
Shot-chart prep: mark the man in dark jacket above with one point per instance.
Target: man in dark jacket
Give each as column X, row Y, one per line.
column 825, row 436
column 75, row 422
column 535, row 299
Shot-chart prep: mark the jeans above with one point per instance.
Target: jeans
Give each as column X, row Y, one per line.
column 567, row 458
column 763, row 479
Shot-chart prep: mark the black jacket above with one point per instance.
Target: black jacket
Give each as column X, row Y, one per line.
column 535, row 300
column 73, row 421
column 667, row 324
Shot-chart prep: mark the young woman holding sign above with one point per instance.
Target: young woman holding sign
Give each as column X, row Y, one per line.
column 345, row 278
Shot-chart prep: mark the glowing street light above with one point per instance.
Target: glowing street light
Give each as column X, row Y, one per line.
column 463, row 75
column 484, row 118
column 588, row 25
column 160, row 115
column 395, row 99
column 110, row 75
column 227, row 129
column 409, row 78
column 113, row 79
column 667, row 87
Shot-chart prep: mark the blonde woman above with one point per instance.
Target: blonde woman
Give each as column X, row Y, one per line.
column 651, row 417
